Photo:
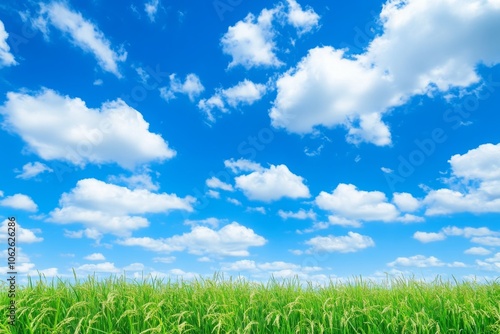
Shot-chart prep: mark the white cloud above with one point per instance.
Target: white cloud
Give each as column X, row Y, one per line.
column 213, row 194
column 245, row 92
column 215, row 183
column 242, row 165
column 234, row 201
column 419, row 261
column 19, row 202
column 231, row 240
column 301, row 214
column 303, row 20
column 6, row 58
column 207, row 105
column 23, row 235
column 270, row 184
column 331, row 88
column 104, row 267
column 24, row 266
column 259, row 209
column 478, row 170
column 95, row 257
column 492, row 263
column 386, row 170
column 477, row 251
column 241, row 265
column 151, row 8
column 32, row 169
column 108, row 208
column 405, row 202
column 250, row 42
column 167, row 259
column 487, row 241
column 480, row 235
column 348, row 202
column 352, row 242
column 83, row 34
column 426, row 237
column 191, row 87
column 58, row 127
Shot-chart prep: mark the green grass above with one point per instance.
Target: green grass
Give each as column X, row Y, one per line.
column 118, row 305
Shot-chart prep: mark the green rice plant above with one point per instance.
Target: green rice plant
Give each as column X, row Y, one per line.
column 117, row 305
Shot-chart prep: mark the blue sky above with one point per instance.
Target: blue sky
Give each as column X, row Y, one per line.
column 295, row 138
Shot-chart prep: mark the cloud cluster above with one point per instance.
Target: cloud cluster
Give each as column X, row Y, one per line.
column 350, row 206
column 478, row 171
column 479, row 235
column 330, row 87
column 231, row 240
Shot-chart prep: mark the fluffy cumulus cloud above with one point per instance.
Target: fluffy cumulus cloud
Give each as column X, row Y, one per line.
column 108, row 208
column 267, row 184
column 478, row 171
column 350, row 205
column 23, row 235
column 303, row 20
column 352, row 242
column 32, row 169
column 19, row 202
column 231, row 240
column 82, row 33
column 6, row 58
column 245, row 92
column 191, row 87
column 250, row 42
column 58, row 127
column 329, row 87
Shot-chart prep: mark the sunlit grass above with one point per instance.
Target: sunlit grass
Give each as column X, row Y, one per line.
column 218, row 305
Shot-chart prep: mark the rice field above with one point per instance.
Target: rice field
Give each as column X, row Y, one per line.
column 217, row 305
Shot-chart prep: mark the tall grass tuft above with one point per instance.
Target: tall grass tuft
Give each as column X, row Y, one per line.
column 235, row 305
